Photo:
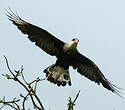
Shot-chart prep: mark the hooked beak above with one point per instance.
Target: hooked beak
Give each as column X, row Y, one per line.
column 76, row 40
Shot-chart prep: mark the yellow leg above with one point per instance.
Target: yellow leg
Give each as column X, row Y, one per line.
column 49, row 75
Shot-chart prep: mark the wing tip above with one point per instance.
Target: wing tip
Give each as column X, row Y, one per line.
column 114, row 88
column 14, row 17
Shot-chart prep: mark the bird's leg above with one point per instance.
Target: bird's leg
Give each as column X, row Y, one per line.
column 49, row 75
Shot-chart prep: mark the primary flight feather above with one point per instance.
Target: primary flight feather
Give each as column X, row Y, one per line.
column 66, row 53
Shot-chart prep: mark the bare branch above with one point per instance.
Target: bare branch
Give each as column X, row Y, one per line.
column 29, row 89
column 76, row 97
column 71, row 103
column 24, row 100
column 11, row 104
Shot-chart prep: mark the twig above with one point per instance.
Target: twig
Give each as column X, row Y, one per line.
column 24, row 100
column 9, row 103
column 72, row 103
column 29, row 89
column 2, row 107
column 76, row 97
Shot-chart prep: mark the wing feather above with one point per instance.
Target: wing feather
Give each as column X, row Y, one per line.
column 43, row 39
column 89, row 69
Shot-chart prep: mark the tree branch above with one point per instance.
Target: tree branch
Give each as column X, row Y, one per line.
column 28, row 88
column 71, row 103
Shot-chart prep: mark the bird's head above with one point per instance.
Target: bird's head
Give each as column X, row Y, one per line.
column 75, row 40
column 71, row 45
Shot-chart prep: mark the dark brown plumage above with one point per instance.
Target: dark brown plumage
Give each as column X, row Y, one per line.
column 66, row 53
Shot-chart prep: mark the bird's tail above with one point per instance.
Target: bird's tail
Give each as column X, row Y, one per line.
column 58, row 75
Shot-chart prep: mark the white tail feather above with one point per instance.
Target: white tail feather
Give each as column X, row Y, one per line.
column 58, row 75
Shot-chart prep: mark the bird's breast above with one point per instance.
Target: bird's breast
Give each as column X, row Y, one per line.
column 65, row 60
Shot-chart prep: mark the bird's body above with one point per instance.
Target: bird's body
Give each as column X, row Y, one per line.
column 66, row 53
column 59, row 72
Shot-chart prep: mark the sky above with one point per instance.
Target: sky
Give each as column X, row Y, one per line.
column 100, row 26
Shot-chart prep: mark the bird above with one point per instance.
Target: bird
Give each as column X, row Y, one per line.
column 67, row 55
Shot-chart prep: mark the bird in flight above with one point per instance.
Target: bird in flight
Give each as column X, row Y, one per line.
column 66, row 53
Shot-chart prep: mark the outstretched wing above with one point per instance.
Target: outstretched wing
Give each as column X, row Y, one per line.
column 41, row 37
column 90, row 70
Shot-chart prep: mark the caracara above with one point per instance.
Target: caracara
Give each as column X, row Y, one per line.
column 66, row 53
